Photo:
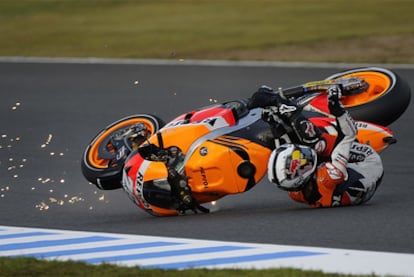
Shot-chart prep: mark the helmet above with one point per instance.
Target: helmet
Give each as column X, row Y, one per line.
column 291, row 166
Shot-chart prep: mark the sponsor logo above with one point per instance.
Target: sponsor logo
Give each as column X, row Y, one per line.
column 203, row 151
column 139, row 185
column 294, row 165
column 286, row 109
column 362, row 149
column 204, row 177
column 310, row 129
column 297, row 162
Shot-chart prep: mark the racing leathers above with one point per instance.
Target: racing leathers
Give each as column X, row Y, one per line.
column 348, row 172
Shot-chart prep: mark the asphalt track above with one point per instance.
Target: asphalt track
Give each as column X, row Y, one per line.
column 50, row 110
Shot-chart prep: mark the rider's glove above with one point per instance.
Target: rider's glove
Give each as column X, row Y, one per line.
column 264, row 97
column 334, row 101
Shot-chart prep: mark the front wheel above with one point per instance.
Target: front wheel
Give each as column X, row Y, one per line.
column 385, row 100
column 104, row 157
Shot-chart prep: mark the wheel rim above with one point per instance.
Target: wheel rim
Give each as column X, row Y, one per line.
column 93, row 154
column 379, row 84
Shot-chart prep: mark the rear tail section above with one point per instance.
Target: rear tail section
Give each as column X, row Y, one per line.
column 378, row 137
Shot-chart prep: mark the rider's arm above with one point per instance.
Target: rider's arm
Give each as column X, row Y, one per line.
column 347, row 131
column 347, row 134
column 309, row 135
column 333, row 173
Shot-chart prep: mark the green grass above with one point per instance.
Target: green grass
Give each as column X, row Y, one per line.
column 32, row 267
column 210, row 29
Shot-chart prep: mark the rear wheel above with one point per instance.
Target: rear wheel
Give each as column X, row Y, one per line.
column 104, row 157
column 385, row 100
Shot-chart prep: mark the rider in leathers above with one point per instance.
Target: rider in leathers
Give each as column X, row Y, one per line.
column 319, row 169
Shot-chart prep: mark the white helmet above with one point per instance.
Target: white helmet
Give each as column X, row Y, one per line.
column 291, row 166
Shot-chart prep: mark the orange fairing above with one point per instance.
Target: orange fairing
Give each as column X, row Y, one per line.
column 237, row 157
column 378, row 137
column 374, row 135
column 93, row 155
column 155, row 170
column 181, row 136
column 379, row 83
column 163, row 212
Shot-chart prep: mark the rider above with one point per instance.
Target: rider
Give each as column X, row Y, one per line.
column 320, row 170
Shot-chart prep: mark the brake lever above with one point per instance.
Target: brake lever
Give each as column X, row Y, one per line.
column 352, row 85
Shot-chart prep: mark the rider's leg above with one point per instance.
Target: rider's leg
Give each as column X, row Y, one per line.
column 365, row 172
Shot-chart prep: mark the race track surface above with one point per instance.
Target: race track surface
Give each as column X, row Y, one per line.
column 50, row 111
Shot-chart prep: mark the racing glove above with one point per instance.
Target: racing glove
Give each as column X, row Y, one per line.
column 264, row 97
column 289, row 112
column 334, row 101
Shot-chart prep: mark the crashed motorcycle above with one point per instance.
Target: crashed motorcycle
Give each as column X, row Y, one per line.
column 208, row 153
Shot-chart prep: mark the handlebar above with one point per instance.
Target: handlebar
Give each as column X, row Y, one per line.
column 293, row 92
column 348, row 86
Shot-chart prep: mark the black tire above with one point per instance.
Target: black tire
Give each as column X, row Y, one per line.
column 390, row 102
column 95, row 168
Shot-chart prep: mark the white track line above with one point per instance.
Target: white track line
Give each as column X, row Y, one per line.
column 175, row 253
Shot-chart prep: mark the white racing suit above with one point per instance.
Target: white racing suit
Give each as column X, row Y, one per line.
column 349, row 177
column 365, row 173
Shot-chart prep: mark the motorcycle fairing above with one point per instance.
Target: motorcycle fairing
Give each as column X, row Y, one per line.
column 206, row 176
column 203, row 145
column 208, row 115
column 197, row 126
column 130, row 182
column 134, row 181
column 230, row 111
column 378, row 137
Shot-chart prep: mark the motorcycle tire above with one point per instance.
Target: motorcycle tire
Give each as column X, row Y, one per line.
column 95, row 168
column 385, row 100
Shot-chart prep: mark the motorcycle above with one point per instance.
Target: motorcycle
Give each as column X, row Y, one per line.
column 208, row 153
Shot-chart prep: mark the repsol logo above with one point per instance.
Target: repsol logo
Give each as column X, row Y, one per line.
column 140, row 181
column 139, row 189
column 361, row 148
column 204, row 177
column 359, row 152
